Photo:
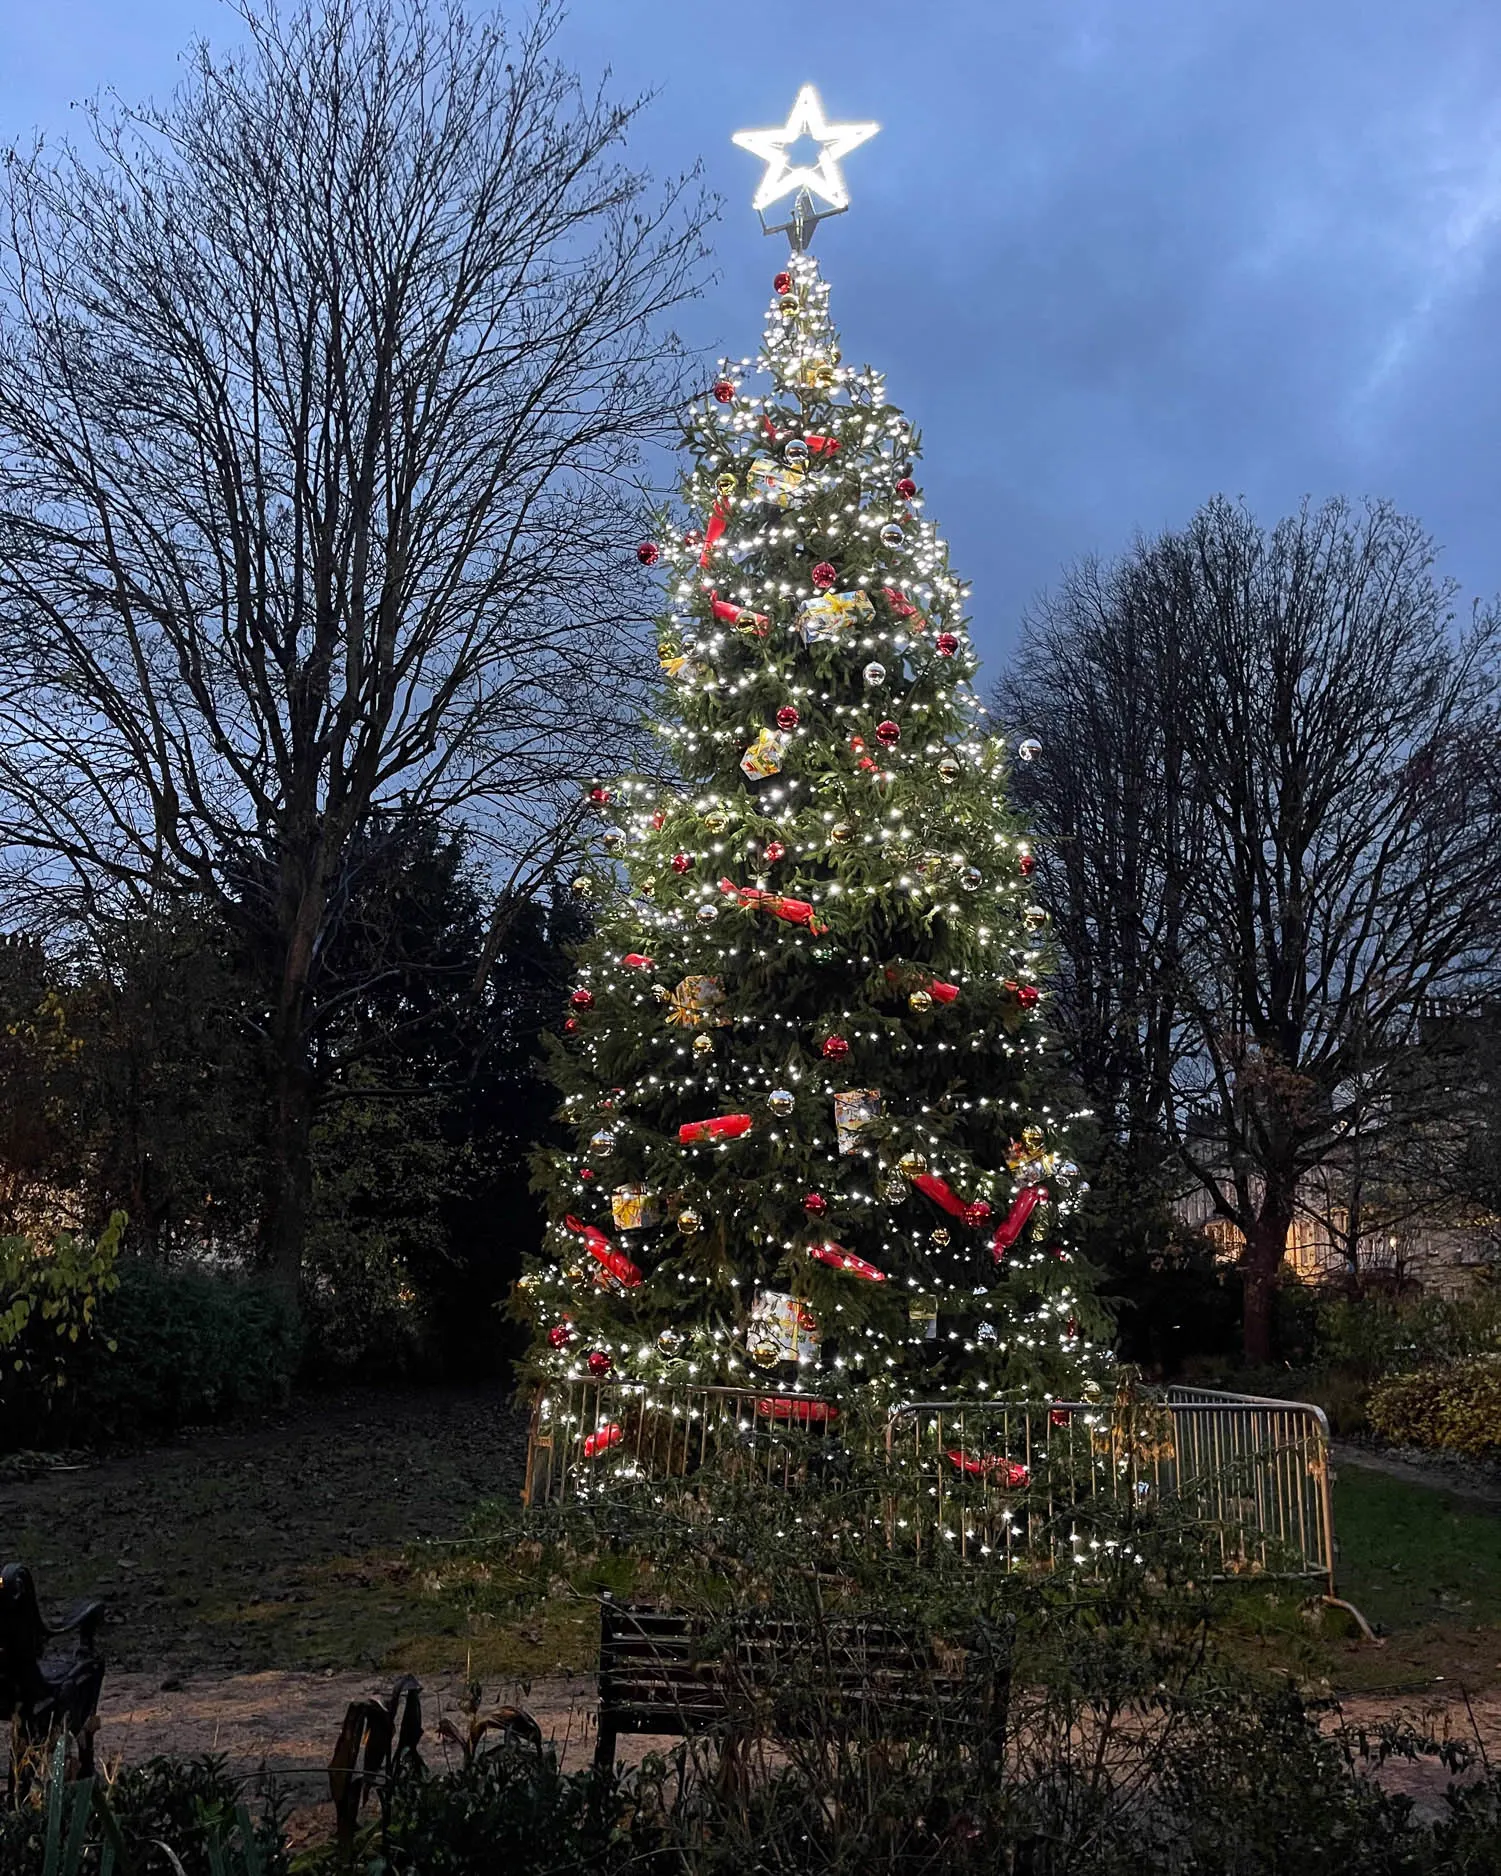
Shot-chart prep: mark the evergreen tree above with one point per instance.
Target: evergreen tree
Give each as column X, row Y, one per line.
column 804, row 1068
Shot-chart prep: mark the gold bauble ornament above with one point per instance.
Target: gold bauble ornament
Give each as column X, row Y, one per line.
column 949, row 770
column 920, row 1001
column 583, row 885
column 843, row 832
column 661, row 993
column 689, row 1221
column 703, row 1045
column 939, row 1236
column 911, row 1164
column 1034, row 918
column 648, row 888
column 763, row 1354
column 1032, row 1137
column 716, row 821
column 574, row 1273
column 669, row 1342
column 725, row 486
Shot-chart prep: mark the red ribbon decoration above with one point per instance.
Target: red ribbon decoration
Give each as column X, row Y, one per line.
column 940, row 1192
column 903, row 607
column 936, row 988
column 783, row 1407
column 721, row 1127
column 1012, row 1472
column 728, row 613
column 719, row 520
column 598, row 1245
column 817, row 445
column 637, row 961
column 603, row 1438
column 792, row 911
column 1010, row 1227
column 839, row 1258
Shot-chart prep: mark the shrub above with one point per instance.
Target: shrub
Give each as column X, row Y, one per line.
column 1456, row 1408
column 49, row 1298
column 172, row 1348
column 1375, row 1336
column 166, row 1817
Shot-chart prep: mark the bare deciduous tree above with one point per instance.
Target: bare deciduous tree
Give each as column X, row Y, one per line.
column 323, row 392
column 1270, row 803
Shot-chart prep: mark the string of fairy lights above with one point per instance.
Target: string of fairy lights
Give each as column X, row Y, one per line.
column 839, row 833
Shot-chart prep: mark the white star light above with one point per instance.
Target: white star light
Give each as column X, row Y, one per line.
column 823, row 178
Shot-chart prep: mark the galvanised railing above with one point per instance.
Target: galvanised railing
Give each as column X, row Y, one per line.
column 1022, row 1480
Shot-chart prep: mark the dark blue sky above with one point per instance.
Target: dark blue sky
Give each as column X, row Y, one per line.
column 1114, row 257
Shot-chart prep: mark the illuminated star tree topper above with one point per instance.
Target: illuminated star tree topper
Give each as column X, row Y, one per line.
column 803, row 181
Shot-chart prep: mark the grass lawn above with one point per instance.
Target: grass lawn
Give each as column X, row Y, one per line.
column 1424, row 1569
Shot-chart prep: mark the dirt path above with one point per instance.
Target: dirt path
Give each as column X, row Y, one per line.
column 276, row 1545
column 286, row 1724
column 1473, row 1485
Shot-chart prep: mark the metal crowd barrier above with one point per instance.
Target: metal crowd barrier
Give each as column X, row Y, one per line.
column 1022, row 1480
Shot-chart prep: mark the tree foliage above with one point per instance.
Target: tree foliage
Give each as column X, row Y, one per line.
column 1271, row 809
column 323, row 390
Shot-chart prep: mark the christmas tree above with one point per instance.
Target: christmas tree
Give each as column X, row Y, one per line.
column 805, row 1067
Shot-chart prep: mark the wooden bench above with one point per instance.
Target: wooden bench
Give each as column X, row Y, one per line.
column 42, row 1692
column 663, row 1671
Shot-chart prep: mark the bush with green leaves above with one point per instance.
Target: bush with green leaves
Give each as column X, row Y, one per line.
column 171, row 1348
column 1372, row 1336
column 166, row 1817
column 1456, row 1408
column 50, row 1297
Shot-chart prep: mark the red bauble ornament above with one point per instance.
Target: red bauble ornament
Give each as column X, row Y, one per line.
column 947, row 644
column 586, row 1172
column 582, row 999
column 680, row 863
column 906, row 488
column 559, row 1335
column 782, row 283
column 648, row 553
column 977, row 1214
column 598, row 1362
column 1025, row 865
column 724, row 391
column 570, row 1026
column 1029, row 996
column 857, row 745
column 835, row 1048
column 787, row 718
column 824, row 575
column 888, row 733
column 1059, row 1417
column 815, row 1204
column 658, row 820
column 600, row 795
column 694, row 538
column 774, row 851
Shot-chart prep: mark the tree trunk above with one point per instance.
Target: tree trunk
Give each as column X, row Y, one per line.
column 289, row 1156
column 1261, row 1262
column 289, row 1166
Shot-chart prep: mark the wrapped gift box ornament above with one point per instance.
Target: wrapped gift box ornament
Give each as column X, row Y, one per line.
column 831, row 615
